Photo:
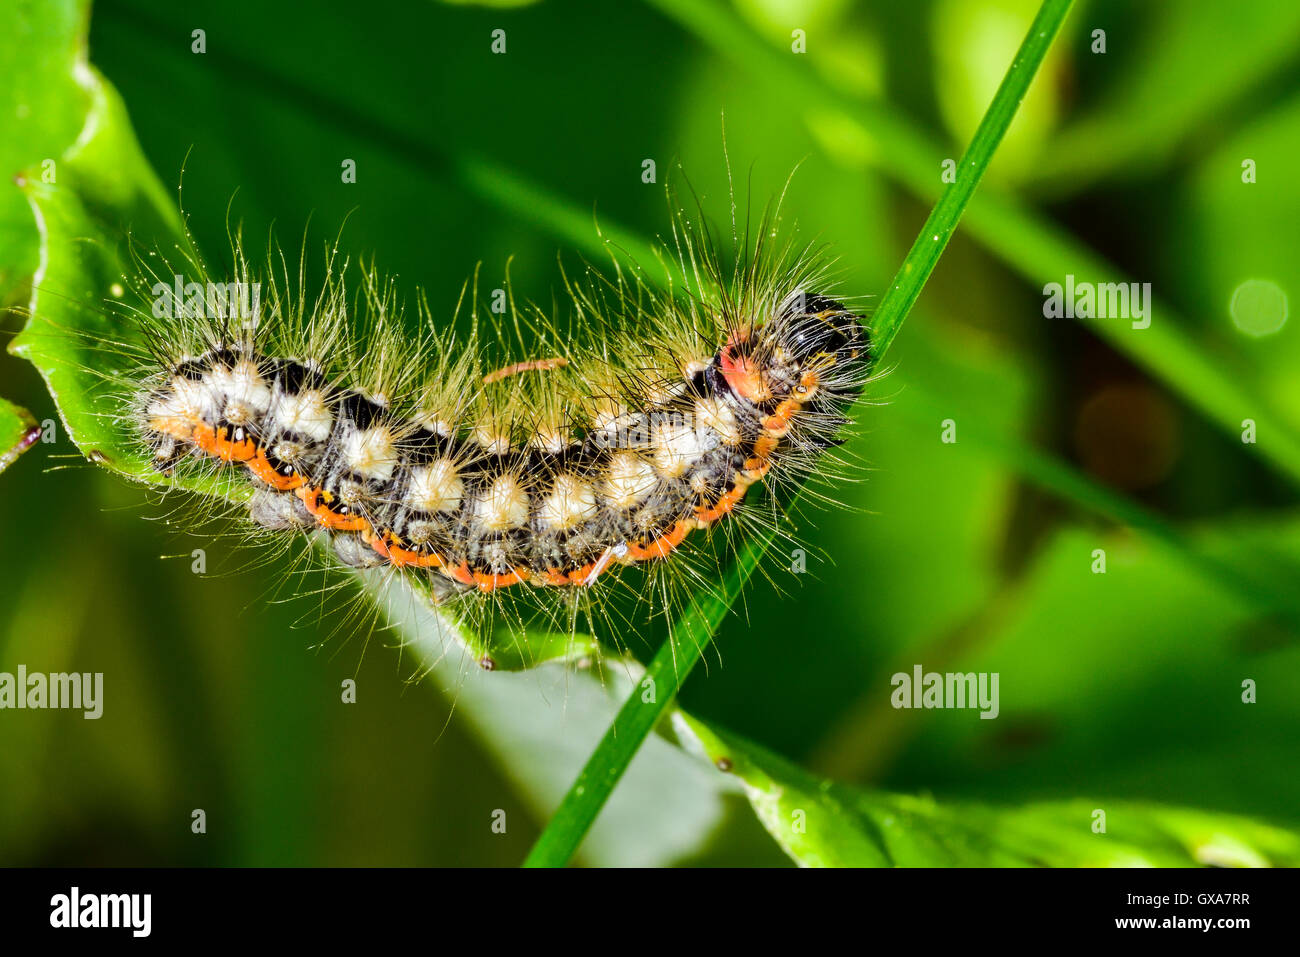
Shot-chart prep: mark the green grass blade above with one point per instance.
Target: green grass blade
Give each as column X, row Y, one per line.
column 692, row 634
column 641, row 711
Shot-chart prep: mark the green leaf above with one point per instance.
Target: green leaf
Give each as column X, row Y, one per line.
column 1158, row 654
column 104, row 185
column 18, row 432
column 46, row 41
column 52, row 152
column 823, row 824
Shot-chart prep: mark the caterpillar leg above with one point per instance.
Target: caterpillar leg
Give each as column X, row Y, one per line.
column 353, row 551
column 277, row 510
column 442, row 588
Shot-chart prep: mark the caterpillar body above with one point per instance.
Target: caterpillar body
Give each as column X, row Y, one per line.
column 416, row 451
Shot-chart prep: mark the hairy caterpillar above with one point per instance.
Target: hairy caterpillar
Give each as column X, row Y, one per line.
column 521, row 457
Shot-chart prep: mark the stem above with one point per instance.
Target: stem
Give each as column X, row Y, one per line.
column 678, row 655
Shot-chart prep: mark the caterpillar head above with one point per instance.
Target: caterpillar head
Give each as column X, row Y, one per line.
column 812, row 349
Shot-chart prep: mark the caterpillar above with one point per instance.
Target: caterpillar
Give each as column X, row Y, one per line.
column 524, row 456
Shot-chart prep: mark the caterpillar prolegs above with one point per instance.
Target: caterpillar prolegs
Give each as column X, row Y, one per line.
column 572, row 455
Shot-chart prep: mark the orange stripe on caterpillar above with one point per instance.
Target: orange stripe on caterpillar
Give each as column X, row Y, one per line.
column 261, row 467
column 756, row 465
column 586, row 574
column 215, row 443
column 327, row 517
column 661, row 546
column 778, row 423
column 399, row 556
column 486, row 581
column 708, row 514
column 460, row 573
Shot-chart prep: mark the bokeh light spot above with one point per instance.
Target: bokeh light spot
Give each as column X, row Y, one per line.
column 1258, row 307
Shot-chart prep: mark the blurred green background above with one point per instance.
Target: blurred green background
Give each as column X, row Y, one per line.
column 975, row 555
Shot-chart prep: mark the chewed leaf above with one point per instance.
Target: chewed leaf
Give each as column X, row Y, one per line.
column 18, row 432
column 823, row 824
column 104, row 184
